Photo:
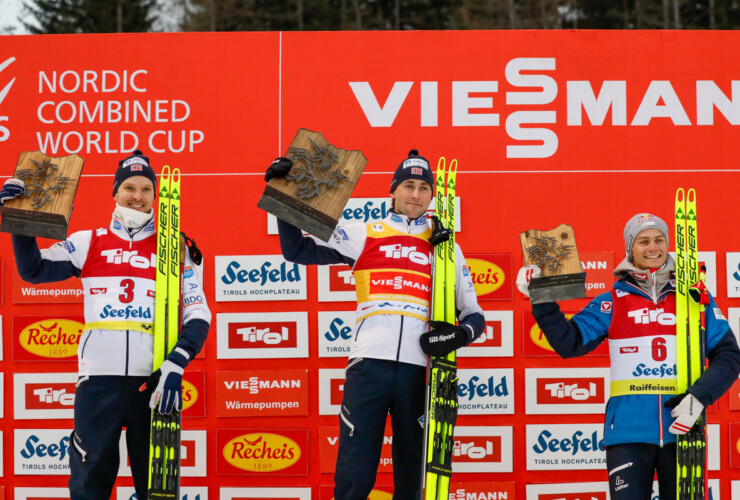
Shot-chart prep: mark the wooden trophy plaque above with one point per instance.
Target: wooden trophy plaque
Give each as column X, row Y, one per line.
column 556, row 254
column 46, row 206
column 314, row 193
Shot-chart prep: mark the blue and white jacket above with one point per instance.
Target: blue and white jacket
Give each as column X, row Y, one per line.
column 642, row 347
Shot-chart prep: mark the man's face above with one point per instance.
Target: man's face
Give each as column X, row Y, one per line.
column 650, row 249
column 412, row 198
column 136, row 193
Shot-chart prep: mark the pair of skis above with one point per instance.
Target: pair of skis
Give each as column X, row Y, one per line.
column 164, row 447
column 691, row 296
column 441, row 409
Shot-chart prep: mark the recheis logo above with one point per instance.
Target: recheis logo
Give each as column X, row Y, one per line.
column 536, row 343
column 565, row 447
column 47, row 338
column 262, row 335
column 261, row 452
column 483, row 449
column 259, row 277
column 261, row 393
column 489, row 274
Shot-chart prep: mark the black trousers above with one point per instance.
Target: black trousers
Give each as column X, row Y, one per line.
column 373, row 389
column 632, row 467
column 104, row 405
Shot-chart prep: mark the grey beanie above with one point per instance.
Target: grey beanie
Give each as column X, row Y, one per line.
column 637, row 224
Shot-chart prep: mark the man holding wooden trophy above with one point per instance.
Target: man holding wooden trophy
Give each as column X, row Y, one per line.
column 391, row 261
column 644, row 413
column 117, row 267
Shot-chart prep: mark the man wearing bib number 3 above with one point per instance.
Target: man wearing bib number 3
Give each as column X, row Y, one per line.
column 637, row 317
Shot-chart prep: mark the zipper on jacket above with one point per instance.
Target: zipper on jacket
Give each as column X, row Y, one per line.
column 357, row 333
column 346, row 421
column 621, row 467
column 128, row 332
column 660, row 417
column 82, row 452
column 400, row 338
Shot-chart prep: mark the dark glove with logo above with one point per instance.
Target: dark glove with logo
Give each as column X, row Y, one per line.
column 442, row 339
column 11, row 189
column 165, row 384
column 279, row 168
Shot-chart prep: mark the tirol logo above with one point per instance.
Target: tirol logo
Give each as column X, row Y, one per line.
column 51, row 338
column 261, row 335
column 189, row 395
column 573, row 390
column 50, row 396
column 341, row 279
column 476, row 448
column 131, row 257
column 492, row 335
column 487, row 277
column 646, row 316
column 262, row 452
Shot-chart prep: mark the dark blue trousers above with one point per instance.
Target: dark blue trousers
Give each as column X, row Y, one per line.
column 373, row 389
column 632, row 467
column 104, row 405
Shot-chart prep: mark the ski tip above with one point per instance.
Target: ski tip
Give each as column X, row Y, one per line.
column 691, row 196
column 680, row 195
column 441, row 163
column 165, row 174
column 176, row 174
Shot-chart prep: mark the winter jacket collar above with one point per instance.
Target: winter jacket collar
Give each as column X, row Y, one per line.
column 117, row 228
column 652, row 284
column 403, row 223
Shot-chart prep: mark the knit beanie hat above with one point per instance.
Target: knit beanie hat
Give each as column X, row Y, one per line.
column 637, row 224
column 136, row 164
column 413, row 167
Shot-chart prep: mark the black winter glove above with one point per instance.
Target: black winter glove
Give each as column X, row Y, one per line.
column 279, row 168
column 442, row 339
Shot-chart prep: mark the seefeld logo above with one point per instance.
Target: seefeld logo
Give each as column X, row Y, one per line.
column 487, row 276
column 262, row 275
column 262, row 452
column 53, row 338
column 127, row 312
column 489, row 388
column 371, row 210
column 337, row 329
column 189, row 394
column 574, row 445
column 54, row 450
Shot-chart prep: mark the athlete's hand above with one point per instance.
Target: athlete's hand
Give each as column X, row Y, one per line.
column 686, row 410
column 11, row 189
column 165, row 384
column 525, row 275
column 279, row 168
column 442, row 339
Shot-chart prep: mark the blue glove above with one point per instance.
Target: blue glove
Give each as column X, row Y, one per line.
column 11, row 189
column 165, row 384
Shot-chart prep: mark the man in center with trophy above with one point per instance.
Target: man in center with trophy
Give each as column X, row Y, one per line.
column 636, row 317
column 386, row 371
column 116, row 265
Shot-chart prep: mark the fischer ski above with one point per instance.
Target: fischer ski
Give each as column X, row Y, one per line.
column 441, row 408
column 164, row 447
column 691, row 297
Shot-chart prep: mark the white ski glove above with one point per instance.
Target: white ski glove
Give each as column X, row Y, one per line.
column 166, row 383
column 525, row 275
column 686, row 410
column 11, row 189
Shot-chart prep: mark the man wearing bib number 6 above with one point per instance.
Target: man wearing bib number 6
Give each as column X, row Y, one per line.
column 637, row 317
